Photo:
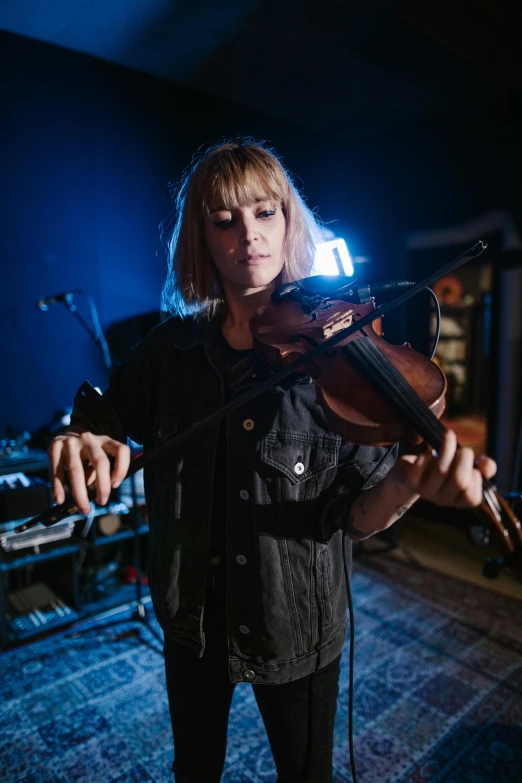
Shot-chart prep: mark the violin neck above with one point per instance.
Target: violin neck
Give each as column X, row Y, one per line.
column 366, row 357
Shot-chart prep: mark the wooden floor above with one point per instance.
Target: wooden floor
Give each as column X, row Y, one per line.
column 438, row 546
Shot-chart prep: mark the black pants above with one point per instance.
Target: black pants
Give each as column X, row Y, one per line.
column 298, row 716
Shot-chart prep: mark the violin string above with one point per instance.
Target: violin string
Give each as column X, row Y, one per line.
column 376, row 366
column 492, row 501
column 373, row 363
column 407, row 401
column 424, row 417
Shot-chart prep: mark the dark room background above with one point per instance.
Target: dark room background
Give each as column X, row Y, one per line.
column 89, row 149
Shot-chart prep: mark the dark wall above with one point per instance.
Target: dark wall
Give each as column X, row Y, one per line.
column 90, row 150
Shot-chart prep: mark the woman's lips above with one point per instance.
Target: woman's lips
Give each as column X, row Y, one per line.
column 252, row 260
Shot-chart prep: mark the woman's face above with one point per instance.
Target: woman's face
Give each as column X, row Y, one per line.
column 246, row 244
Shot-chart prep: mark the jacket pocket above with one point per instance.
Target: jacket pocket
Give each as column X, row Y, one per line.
column 165, row 425
column 304, row 463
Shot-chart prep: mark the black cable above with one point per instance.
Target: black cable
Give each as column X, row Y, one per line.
column 347, row 574
column 352, row 657
column 436, row 305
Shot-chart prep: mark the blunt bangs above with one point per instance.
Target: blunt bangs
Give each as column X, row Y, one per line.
column 240, row 176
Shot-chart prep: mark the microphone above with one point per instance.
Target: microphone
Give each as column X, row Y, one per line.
column 65, row 298
column 340, row 287
column 365, row 292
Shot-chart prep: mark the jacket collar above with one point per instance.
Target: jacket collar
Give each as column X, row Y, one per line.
column 194, row 331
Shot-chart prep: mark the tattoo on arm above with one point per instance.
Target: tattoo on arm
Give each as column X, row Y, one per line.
column 359, row 503
column 350, row 529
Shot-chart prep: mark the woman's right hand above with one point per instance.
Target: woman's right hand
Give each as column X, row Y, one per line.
column 85, row 457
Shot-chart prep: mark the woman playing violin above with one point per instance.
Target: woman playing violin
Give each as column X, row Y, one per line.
column 248, row 520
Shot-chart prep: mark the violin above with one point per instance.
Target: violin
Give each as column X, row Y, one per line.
column 372, row 393
column 354, row 406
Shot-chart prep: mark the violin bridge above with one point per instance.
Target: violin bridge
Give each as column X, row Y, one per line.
column 337, row 323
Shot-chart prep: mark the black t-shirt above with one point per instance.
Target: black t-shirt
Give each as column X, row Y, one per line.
column 239, row 365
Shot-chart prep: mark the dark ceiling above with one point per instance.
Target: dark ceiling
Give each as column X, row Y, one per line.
column 364, row 65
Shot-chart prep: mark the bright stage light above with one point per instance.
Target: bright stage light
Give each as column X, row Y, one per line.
column 332, row 258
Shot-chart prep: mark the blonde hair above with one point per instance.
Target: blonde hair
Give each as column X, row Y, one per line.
column 228, row 175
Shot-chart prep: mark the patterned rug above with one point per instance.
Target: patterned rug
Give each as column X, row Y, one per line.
column 438, row 694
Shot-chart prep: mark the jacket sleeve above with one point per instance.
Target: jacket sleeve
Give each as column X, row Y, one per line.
column 360, row 468
column 120, row 411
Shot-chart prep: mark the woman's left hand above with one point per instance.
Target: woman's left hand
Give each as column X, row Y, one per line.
column 451, row 477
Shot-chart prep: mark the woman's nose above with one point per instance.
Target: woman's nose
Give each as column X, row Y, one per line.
column 248, row 230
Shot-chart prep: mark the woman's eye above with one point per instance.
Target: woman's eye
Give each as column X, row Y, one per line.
column 265, row 214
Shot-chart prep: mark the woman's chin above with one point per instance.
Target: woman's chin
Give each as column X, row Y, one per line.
column 255, row 279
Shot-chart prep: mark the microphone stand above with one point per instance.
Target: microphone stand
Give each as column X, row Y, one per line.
column 95, row 334
column 139, row 609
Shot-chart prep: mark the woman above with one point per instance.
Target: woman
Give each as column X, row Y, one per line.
column 248, row 519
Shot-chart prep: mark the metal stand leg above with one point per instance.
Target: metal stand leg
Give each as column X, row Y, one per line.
column 139, row 613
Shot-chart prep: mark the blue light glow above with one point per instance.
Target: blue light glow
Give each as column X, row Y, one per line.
column 328, row 257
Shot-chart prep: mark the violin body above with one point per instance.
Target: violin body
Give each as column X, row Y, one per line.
column 353, row 406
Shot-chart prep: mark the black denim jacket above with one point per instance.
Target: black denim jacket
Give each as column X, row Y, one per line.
column 290, row 482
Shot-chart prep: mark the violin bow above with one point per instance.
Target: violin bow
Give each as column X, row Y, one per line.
column 68, row 507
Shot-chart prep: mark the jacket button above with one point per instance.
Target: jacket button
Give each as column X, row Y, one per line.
column 244, row 629
column 241, row 559
column 249, row 675
column 243, row 494
column 248, row 424
column 299, row 468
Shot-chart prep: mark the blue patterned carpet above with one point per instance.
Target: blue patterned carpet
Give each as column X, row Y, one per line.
column 438, row 695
